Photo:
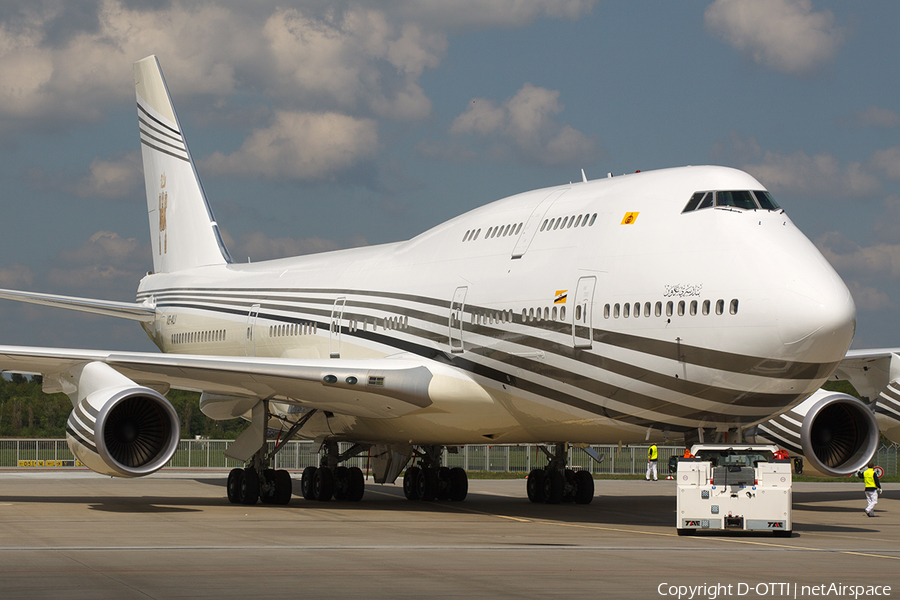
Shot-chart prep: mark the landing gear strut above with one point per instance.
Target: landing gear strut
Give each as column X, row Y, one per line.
column 555, row 483
column 430, row 481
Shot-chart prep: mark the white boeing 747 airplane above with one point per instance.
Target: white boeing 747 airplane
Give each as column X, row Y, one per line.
column 673, row 304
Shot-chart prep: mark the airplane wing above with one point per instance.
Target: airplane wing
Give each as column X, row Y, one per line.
column 374, row 388
column 123, row 310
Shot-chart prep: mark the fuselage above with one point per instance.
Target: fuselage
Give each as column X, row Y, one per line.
column 589, row 312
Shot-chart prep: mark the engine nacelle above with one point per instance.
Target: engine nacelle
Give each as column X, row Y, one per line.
column 119, row 428
column 837, row 434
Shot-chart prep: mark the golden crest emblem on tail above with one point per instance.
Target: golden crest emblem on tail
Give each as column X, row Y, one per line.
column 163, row 204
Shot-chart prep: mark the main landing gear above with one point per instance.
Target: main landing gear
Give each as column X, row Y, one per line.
column 329, row 481
column 555, row 483
column 430, row 481
column 258, row 481
column 245, row 486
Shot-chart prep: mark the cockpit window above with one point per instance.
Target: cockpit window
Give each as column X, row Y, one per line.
column 743, row 199
column 694, row 201
column 766, row 201
column 736, row 199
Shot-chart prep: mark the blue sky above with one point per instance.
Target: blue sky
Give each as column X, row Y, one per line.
column 320, row 125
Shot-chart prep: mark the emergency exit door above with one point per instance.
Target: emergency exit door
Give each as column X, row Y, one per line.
column 582, row 313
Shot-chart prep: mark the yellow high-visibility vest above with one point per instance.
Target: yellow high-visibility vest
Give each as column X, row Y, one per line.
column 652, row 453
column 869, row 478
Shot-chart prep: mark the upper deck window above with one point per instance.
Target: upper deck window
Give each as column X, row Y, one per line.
column 743, row 199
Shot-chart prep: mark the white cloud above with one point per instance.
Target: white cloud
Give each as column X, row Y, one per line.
column 477, row 14
column 784, row 35
column 106, row 264
column 888, row 161
column 112, row 179
column 16, row 277
column 60, row 65
column 880, row 261
column 526, row 125
column 887, row 224
column 879, row 265
column 875, row 116
column 821, row 174
column 299, row 146
column 868, row 298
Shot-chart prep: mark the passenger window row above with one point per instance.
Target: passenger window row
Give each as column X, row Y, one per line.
column 492, row 232
column 742, row 199
column 627, row 310
column 386, row 323
column 586, row 220
column 198, row 337
column 290, row 329
column 492, row 317
column 545, row 313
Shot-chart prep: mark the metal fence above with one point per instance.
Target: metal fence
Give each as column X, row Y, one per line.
column 296, row 455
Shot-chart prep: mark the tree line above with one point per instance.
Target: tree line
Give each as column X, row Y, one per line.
column 27, row 412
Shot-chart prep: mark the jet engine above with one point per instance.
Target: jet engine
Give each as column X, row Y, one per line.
column 118, row 427
column 836, row 433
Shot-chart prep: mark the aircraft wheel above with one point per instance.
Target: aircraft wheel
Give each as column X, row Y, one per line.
column 356, row 484
column 233, row 487
column 444, row 484
column 268, row 497
column 427, row 485
column 554, row 486
column 411, row 483
column 341, row 483
column 306, row 483
column 283, row 487
column 323, row 484
column 249, row 487
column 569, row 488
column 535, row 486
column 584, row 487
column 459, row 484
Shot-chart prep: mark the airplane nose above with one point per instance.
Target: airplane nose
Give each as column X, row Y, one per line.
column 818, row 319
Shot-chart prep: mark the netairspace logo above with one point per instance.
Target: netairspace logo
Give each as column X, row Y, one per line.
column 771, row 590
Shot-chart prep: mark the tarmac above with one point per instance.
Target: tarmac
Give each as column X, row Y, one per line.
column 74, row 534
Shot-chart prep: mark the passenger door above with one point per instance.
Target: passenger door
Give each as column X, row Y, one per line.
column 457, row 306
column 250, row 342
column 582, row 331
column 534, row 223
column 334, row 336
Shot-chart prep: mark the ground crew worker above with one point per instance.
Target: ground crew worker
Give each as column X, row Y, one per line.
column 652, row 456
column 873, row 488
column 687, row 453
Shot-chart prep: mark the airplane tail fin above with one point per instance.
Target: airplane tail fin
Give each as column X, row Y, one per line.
column 183, row 231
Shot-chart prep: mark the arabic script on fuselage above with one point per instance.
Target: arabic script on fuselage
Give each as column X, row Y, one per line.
column 683, row 290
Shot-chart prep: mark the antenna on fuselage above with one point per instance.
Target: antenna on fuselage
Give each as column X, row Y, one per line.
column 583, row 176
